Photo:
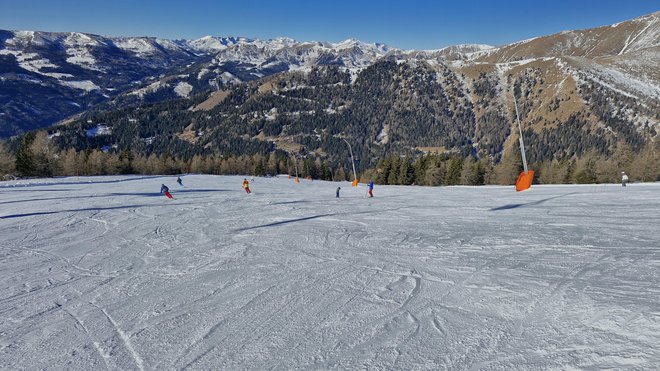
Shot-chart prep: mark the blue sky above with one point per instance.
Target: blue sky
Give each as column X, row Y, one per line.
column 422, row 24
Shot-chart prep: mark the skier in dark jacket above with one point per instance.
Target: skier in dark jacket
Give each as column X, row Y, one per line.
column 338, row 188
column 178, row 180
column 371, row 188
column 165, row 190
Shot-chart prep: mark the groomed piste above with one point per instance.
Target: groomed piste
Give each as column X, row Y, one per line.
column 107, row 273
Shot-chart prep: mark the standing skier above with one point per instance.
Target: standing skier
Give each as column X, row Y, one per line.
column 178, row 180
column 338, row 188
column 371, row 188
column 624, row 178
column 246, row 186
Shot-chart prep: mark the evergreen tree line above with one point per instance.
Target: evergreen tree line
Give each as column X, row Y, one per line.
column 453, row 169
column 37, row 156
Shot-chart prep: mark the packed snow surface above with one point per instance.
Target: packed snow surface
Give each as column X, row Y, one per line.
column 105, row 272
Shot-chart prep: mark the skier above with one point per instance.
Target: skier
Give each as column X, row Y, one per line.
column 178, row 180
column 338, row 188
column 165, row 190
column 371, row 188
column 624, row 178
column 246, row 186
column 252, row 179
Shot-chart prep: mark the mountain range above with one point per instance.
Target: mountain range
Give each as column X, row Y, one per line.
column 577, row 91
column 47, row 76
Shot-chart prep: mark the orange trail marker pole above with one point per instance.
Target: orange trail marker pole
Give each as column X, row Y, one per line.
column 526, row 177
column 295, row 163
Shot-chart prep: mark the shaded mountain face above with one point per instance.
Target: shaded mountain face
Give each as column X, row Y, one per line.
column 577, row 91
column 46, row 77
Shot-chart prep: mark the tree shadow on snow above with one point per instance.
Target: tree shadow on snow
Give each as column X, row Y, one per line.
column 274, row 224
column 8, row 190
column 515, row 206
column 199, row 190
column 141, row 194
column 83, row 182
column 83, row 209
column 291, row 202
column 284, row 222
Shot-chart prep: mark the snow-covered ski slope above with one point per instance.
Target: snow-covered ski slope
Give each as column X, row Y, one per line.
column 105, row 273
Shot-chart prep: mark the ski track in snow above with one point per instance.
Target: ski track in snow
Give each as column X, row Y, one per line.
column 105, row 273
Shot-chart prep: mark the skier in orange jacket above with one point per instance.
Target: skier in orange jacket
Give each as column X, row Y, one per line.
column 246, row 186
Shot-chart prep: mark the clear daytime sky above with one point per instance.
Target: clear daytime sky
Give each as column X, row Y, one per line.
column 414, row 24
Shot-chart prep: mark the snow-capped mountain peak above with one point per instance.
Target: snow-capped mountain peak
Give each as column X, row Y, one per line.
column 79, row 64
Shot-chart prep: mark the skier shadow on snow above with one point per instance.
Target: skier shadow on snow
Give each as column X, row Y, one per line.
column 533, row 203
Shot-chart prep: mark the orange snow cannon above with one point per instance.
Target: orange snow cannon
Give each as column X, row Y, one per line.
column 355, row 183
column 524, row 180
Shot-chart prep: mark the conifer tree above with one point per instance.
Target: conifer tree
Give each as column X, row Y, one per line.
column 25, row 162
column 454, row 169
column 420, row 170
column 393, row 176
column 406, row 173
column 646, row 165
column 7, row 161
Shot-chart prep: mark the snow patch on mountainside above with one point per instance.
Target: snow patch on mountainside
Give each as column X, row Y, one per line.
column 138, row 46
column 228, row 78
column 203, row 72
column 100, row 129
column 647, row 37
column 214, row 44
column 77, row 47
column 86, row 85
column 22, row 39
column 624, row 83
column 207, row 44
column 183, row 89
column 29, row 61
column 167, row 44
column 149, row 89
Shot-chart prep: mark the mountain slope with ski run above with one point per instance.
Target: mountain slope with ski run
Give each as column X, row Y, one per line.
column 49, row 76
column 104, row 272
